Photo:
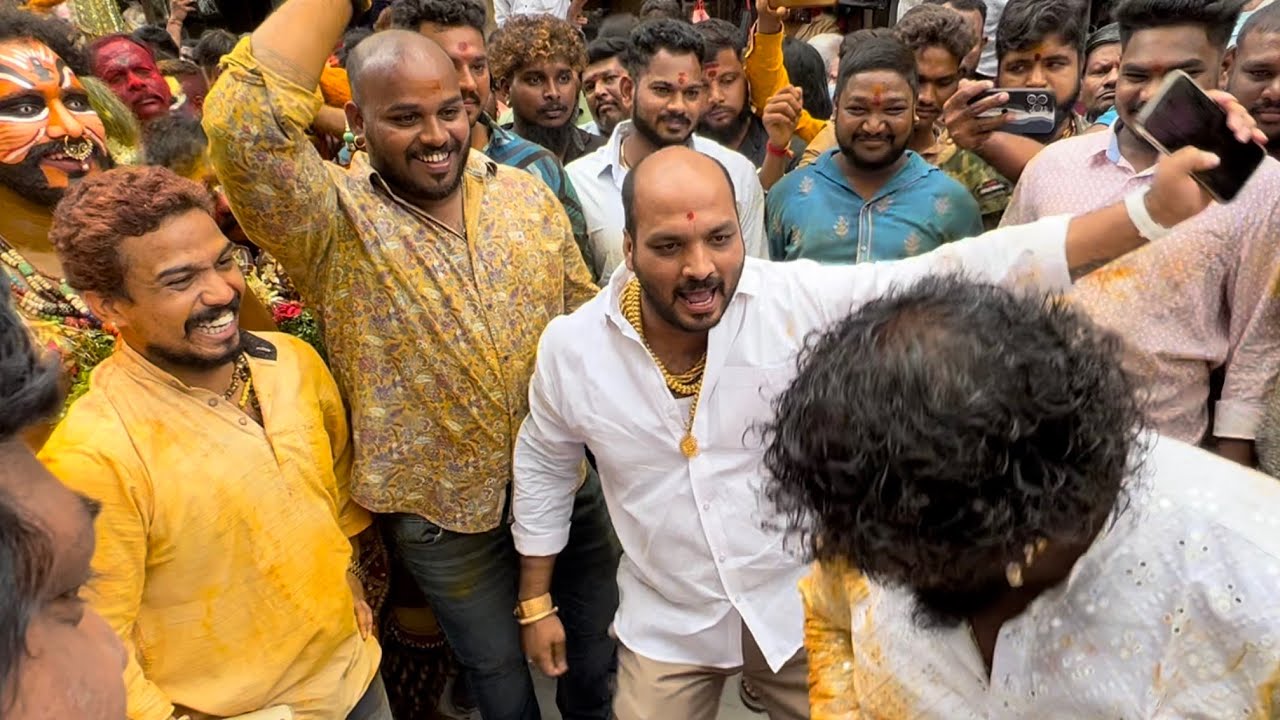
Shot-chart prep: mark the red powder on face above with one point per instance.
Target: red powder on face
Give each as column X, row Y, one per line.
column 682, row 79
column 464, row 46
column 690, row 216
column 877, row 94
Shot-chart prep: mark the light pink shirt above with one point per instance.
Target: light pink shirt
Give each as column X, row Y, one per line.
column 1201, row 299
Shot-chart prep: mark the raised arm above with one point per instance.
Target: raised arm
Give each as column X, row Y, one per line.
column 256, row 117
column 766, row 75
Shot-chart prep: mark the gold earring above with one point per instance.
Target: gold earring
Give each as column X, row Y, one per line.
column 1013, row 574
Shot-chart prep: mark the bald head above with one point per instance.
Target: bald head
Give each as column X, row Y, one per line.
column 383, row 56
column 672, row 178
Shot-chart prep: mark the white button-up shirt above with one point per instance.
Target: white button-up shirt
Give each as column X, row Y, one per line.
column 503, row 9
column 598, row 179
column 1173, row 612
column 703, row 548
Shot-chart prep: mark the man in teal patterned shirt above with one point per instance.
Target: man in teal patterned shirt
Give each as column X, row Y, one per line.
column 870, row 199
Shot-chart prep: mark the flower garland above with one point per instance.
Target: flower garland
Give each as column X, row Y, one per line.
column 267, row 280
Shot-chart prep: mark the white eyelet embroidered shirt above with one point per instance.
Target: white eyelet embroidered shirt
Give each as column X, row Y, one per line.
column 1174, row 612
column 703, row 553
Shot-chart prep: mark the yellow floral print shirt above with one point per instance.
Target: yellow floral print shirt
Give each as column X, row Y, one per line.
column 431, row 335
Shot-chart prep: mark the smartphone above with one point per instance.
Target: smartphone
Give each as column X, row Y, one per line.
column 1034, row 111
column 1181, row 114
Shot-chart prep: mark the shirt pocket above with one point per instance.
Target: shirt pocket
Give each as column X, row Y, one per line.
column 744, row 399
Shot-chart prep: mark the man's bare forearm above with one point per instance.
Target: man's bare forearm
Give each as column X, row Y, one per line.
column 1097, row 238
column 300, row 36
column 535, row 575
column 1009, row 153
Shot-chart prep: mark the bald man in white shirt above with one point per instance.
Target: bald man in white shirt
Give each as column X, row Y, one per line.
column 667, row 376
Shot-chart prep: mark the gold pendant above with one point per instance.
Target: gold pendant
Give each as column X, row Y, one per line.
column 689, row 445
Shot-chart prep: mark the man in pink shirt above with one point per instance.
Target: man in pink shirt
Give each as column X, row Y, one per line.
column 1200, row 300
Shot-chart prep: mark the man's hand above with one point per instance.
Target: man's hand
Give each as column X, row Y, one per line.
column 770, row 19
column 781, row 113
column 967, row 129
column 179, row 10
column 576, row 16
column 543, row 643
column 1176, row 196
column 364, row 613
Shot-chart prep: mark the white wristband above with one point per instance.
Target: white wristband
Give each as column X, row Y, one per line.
column 1136, row 203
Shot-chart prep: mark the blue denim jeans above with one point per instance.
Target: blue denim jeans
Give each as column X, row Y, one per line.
column 471, row 581
column 373, row 705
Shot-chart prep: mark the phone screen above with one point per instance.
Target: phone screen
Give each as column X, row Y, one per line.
column 1184, row 115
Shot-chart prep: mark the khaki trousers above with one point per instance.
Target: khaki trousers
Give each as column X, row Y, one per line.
column 652, row 690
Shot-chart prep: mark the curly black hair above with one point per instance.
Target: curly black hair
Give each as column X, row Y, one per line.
column 60, row 36
column 29, row 389
column 649, row 37
column 1026, row 23
column 932, row 435
column 933, row 25
column 1217, row 17
column 412, row 14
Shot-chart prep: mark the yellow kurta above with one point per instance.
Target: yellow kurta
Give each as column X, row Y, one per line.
column 222, row 546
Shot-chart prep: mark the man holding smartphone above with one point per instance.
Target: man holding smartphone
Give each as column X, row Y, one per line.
column 1199, row 302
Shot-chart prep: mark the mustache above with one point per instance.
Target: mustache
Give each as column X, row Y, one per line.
column 874, row 136
column 677, row 117
column 58, row 147
column 554, row 107
column 213, row 313
column 1264, row 105
column 711, row 282
column 452, row 145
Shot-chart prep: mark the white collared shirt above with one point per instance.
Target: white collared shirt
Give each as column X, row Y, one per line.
column 503, row 9
column 1171, row 613
column 598, row 179
column 703, row 554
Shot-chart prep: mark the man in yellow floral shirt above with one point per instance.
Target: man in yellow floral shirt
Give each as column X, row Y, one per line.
column 434, row 271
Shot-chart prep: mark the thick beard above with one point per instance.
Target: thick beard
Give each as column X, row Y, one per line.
column 29, row 181
column 858, row 164
column 650, row 133
column 1061, row 114
column 408, row 189
column 554, row 139
column 727, row 136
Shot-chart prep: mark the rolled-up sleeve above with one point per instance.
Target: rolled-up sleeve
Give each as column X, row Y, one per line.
column 548, row 460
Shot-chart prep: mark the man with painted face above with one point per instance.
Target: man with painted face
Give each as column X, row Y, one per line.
column 1254, row 75
column 606, row 84
column 1202, row 301
column 871, row 198
column 693, row 339
column 58, row 659
column 537, row 60
column 435, row 269
column 205, row 518
column 458, row 27
column 768, row 140
column 130, row 69
column 664, row 63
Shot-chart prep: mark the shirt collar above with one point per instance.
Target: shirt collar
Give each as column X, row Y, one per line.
column 1111, row 152
column 613, row 151
column 913, row 169
column 498, row 135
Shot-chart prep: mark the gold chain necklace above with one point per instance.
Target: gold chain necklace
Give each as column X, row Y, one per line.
column 683, row 385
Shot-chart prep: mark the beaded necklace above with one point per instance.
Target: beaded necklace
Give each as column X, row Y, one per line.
column 242, row 380
column 42, row 297
column 683, row 385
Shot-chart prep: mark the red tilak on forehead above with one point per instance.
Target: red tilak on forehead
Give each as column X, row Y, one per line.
column 682, row 78
column 464, row 46
column 877, row 94
column 710, row 70
column 691, row 216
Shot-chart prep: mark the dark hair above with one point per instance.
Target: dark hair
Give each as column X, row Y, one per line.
column 158, row 41
column 1265, row 20
column 617, row 25
column 211, row 46
column 964, row 6
column 26, row 559
column 176, row 142
column 937, row 431
column 805, row 69
column 720, row 35
column 629, row 193
column 1217, row 17
column 59, row 36
column 350, row 39
column 655, row 9
column 675, row 36
column 1026, row 23
column 411, row 14
column 876, row 49
column 528, row 39
column 605, row 47
column 102, row 210
column 927, row 26
column 29, row 389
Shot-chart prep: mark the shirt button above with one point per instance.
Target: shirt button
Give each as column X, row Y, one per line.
column 244, row 421
column 706, row 506
column 721, row 558
column 213, row 402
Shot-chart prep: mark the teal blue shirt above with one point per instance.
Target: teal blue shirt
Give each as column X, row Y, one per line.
column 814, row 213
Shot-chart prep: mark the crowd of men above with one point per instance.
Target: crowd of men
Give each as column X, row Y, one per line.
column 370, row 363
